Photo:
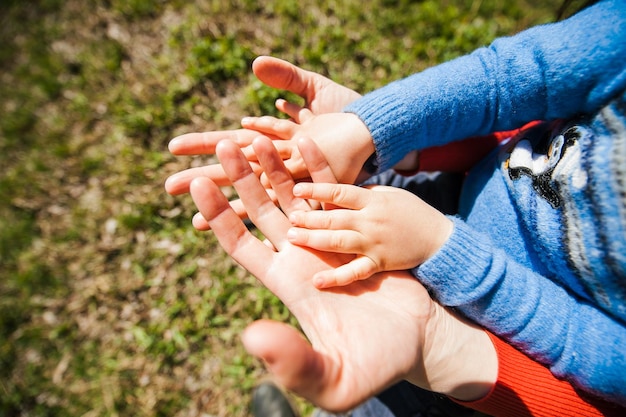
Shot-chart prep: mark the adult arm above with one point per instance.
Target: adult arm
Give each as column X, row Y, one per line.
column 551, row 71
column 350, row 329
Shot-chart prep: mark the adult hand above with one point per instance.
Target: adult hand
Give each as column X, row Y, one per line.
column 387, row 320
column 321, row 95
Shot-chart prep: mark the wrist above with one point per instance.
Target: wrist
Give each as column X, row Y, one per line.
column 459, row 358
column 409, row 165
column 362, row 139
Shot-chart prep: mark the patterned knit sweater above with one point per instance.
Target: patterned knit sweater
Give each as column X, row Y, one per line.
column 538, row 253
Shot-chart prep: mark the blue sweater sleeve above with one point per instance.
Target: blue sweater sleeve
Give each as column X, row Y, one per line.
column 550, row 71
column 577, row 341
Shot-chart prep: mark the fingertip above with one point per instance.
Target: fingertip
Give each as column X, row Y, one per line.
column 259, row 60
column 226, row 149
column 170, row 185
column 174, row 144
column 260, row 337
column 222, row 145
column 319, row 282
column 199, row 223
column 261, row 141
column 297, row 218
column 303, row 189
column 197, row 184
column 176, row 184
column 292, row 234
column 303, row 141
column 250, row 339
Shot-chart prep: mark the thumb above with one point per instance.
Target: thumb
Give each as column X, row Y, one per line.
column 281, row 74
column 315, row 161
column 290, row 358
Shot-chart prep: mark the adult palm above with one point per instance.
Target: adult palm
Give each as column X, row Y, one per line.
column 363, row 337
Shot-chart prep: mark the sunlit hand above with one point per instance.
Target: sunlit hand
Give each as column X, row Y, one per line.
column 343, row 139
column 321, row 95
column 388, row 228
column 389, row 317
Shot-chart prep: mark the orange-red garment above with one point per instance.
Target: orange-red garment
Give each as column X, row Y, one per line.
column 527, row 388
column 462, row 155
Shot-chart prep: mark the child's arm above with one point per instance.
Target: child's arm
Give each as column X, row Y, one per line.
column 387, row 228
column 457, row 156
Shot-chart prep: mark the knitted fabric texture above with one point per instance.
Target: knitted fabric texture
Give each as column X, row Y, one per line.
column 537, row 254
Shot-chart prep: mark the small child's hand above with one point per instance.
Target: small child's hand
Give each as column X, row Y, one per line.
column 342, row 137
column 387, row 228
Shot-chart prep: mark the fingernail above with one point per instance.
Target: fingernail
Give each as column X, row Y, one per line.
column 292, row 234
column 297, row 189
column 171, row 146
column 245, row 120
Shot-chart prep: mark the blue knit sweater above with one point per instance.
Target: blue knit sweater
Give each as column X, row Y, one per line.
column 538, row 253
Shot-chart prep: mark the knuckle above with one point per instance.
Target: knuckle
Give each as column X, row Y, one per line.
column 282, row 125
column 338, row 194
column 326, row 222
column 336, row 241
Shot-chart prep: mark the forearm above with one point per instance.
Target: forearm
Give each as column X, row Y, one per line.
column 483, row 372
column 518, row 79
column 575, row 340
column 459, row 357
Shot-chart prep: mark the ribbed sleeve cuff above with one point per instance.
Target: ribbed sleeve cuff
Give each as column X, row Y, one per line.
column 458, row 272
column 527, row 388
column 392, row 129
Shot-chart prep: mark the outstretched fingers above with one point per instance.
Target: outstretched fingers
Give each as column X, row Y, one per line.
column 283, row 75
column 230, row 231
column 281, row 128
column 260, row 207
column 298, row 113
column 278, row 176
column 204, row 143
column 178, row 183
column 341, row 195
column 315, row 161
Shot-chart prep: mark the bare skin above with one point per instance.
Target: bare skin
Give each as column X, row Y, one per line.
column 387, row 228
column 320, row 94
column 349, row 329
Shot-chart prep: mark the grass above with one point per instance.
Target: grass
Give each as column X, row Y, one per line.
column 110, row 303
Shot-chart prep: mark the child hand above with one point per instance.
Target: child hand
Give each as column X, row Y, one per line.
column 387, row 228
column 343, row 139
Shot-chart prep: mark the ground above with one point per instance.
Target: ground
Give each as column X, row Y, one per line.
column 111, row 304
